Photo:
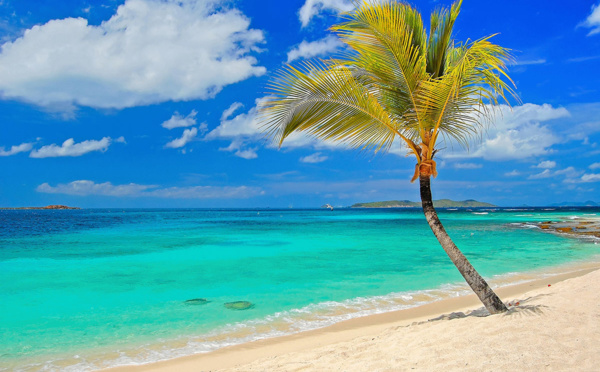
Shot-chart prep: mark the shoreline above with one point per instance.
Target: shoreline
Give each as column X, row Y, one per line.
column 347, row 330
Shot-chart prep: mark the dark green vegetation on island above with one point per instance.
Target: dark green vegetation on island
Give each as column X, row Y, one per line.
column 442, row 203
column 53, row 207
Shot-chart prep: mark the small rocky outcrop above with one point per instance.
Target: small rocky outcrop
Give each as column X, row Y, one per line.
column 575, row 227
column 59, row 207
column 51, row 207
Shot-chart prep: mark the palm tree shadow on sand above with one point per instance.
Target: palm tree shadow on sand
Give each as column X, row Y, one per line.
column 516, row 307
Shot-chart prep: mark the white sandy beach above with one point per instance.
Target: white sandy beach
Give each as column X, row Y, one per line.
column 554, row 328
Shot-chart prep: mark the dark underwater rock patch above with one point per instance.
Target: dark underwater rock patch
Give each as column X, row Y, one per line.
column 196, row 301
column 239, row 305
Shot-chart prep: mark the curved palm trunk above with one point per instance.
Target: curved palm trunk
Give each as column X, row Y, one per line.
column 490, row 300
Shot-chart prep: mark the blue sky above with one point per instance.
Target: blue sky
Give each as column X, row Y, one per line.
column 148, row 103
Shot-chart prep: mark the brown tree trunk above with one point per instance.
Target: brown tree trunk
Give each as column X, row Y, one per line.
column 487, row 296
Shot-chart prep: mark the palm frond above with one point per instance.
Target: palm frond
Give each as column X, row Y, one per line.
column 456, row 102
column 328, row 103
column 440, row 35
column 389, row 41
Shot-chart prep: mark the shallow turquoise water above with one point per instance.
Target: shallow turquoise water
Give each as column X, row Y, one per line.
column 93, row 288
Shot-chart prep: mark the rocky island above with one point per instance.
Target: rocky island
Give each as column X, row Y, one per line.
column 44, row 208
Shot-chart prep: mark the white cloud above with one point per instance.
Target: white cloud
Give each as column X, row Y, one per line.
column 590, row 177
column 467, row 166
column 179, row 121
column 548, row 164
column 517, row 133
column 233, row 108
column 16, row 149
column 512, row 173
column 149, row 51
column 595, row 166
column 242, row 125
column 525, row 62
column 593, row 21
column 317, row 157
column 187, row 136
column 237, row 147
column 582, row 59
column 70, row 148
column 568, row 173
column 545, row 174
column 583, row 123
column 312, row 8
column 240, row 130
column 316, row 48
column 86, row 188
column 585, row 178
column 247, row 154
column 522, row 143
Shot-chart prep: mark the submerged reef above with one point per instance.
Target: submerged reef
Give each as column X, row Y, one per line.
column 196, row 301
column 239, row 305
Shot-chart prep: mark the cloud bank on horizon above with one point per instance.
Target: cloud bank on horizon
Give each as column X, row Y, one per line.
column 87, row 188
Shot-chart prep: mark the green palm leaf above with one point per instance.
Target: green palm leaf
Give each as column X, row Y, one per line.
column 326, row 101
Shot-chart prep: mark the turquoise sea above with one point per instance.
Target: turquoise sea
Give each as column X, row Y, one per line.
column 90, row 289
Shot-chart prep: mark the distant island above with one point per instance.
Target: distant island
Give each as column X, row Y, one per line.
column 46, row 207
column 442, row 203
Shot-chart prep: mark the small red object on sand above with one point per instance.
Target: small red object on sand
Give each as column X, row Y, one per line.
column 517, row 304
column 548, row 285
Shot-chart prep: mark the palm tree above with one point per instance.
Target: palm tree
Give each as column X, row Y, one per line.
column 396, row 82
